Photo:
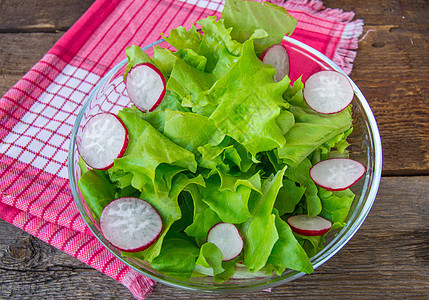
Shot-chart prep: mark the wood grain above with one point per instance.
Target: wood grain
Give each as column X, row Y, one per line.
column 392, row 70
column 387, row 258
column 40, row 16
column 19, row 52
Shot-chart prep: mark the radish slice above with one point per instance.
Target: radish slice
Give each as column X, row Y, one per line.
column 130, row 224
column 309, row 226
column 328, row 92
column 104, row 138
column 227, row 238
column 146, row 86
column 278, row 57
column 337, row 174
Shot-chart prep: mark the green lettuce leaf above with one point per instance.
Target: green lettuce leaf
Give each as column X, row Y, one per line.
column 193, row 59
column 186, row 206
column 219, row 35
column 249, row 102
column 285, row 120
column 231, row 183
column 260, row 232
column 336, row 204
column 97, row 190
column 181, row 38
column 244, row 17
column 164, row 59
column 310, row 131
column 288, row 197
column 190, row 130
column 156, row 118
column 214, row 46
column 230, row 206
column 168, row 208
column 301, row 175
column 190, row 84
column 211, row 257
column 145, row 156
column 339, row 142
column 204, row 217
column 177, row 257
column 134, row 124
column 287, row 252
column 135, row 57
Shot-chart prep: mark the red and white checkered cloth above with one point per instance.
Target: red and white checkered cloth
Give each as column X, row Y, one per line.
column 37, row 114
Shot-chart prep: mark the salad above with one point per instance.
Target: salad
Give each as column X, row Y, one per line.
column 222, row 163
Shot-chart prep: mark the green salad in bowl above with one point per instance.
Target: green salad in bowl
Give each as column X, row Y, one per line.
column 214, row 161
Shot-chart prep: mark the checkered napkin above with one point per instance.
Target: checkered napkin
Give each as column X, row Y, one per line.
column 37, row 114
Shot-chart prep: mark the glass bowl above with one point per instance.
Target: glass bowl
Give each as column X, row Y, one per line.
column 109, row 95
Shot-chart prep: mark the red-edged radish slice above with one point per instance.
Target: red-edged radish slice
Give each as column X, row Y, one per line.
column 337, row 174
column 278, row 57
column 130, row 224
column 309, row 226
column 104, row 138
column 328, row 92
column 227, row 238
column 145, row 86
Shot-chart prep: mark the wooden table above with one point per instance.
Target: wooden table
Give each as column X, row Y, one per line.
column 387, row 258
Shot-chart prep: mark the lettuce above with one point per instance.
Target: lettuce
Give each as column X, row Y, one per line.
column 226, row 144
column 230, row 206
column 204, row 217
column 260, row 232
column 211, row 258
column 249, row 103
column 97, row 190
column 180, row 38
column 311, row 130
column 135, row 57
column 287, row 252
column 178, row 256
column 190, row 84
column 179, row 125
column 145, row 156
column 336, row 204
column 290, row 194
column 244, row 17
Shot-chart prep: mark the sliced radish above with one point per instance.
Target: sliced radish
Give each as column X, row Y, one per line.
column 145, row 86
column 227, row 238
column 278, row 57
column 130, row 224
column 328, row 92
column 104, row 138
column 309, row 226
column 337, row 174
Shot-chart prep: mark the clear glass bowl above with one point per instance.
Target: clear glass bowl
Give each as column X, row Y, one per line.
column 110, row 95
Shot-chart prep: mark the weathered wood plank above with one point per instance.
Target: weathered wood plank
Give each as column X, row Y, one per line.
column 50, row 15
column 41, row 15
column 392, row 70
column 387, row 258
column 20, row 51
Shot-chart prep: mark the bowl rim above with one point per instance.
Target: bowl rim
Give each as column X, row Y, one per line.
column 342, row 241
